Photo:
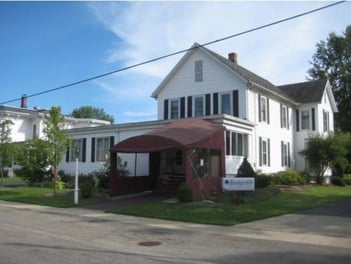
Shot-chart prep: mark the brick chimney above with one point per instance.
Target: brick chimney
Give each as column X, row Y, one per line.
column 233, row 57
column 24, row 101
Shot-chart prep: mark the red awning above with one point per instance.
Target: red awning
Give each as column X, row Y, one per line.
column 183, row 133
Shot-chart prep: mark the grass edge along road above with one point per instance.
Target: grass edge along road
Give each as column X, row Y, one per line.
column 43, row 196
column 263, row 204
column 228, row 214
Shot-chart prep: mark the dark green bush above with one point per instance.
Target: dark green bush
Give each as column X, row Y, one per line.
column 33, row 177
column 246, row 170
column 337, row 181
column 184, row 193
column 289, row 177
column 347, row 179
column 262, row 181
column 86, row 189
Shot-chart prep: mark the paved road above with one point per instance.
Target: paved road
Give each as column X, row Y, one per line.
column 35, row 234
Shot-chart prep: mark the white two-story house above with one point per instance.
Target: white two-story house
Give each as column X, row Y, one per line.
column 266, row 123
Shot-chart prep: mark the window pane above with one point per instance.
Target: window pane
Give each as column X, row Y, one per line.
column 264, row 152
column 77, row 144
column 199, row 106
column 305, row 119
column 198, row 71
column 225, row 104
column 102, row 148
column 174, row 109
column 263, row 109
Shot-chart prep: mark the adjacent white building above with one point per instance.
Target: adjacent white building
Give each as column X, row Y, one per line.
column 266, row 123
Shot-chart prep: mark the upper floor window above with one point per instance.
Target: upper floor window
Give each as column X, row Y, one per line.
column 198, row 106
column 305, row 119
column 198, row 71
column 263, row 109
column 225, row 104
column 284, row 116
column 174, row 108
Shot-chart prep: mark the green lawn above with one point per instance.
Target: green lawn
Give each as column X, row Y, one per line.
column 43, row 196
column 253, row 209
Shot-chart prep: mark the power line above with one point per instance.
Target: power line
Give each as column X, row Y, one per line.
column 176, row 53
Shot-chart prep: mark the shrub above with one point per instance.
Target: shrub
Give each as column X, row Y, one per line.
column 86, row 189
column 262, row 181
column 289, row 177
column 347, row 179
column 184, row 193
column 337, row 181
column 246, row 170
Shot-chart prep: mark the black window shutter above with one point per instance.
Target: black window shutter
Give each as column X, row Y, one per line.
column 297, row 120
column 236, row 103
column 112, row 141
column 215, row 103
column 282, row 152
column 259, row 108
column 93, row 149
column 182, row 107
column 165, row 109
column 281, row 116
column 313, row 120
column 67, row 155
column 190, row 106
column 208, row 104
column 269, row 151
column 287, row 118
column 268, row 111
column 260, row 150
column 84, row 150
column 289, row 154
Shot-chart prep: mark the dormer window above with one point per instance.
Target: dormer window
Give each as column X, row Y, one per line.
column 198, row 71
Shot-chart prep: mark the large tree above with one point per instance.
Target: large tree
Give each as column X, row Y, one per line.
column 57, row 139
column 91, row 112
column 323, row 153
column 332, row 60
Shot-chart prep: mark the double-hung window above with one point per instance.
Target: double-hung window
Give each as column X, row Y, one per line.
column 305, row 119
column 77, row 148
column 199, row 106
column 285, row 154
column 263, row 110
column 264, row 151
column 225, row 103
column 284, row 116
column 102, row 148
column 174, row 108
column 325, row 121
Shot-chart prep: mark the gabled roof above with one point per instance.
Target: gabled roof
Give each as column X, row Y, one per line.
column 236, row 68
column 305, row 92
column 296, row 93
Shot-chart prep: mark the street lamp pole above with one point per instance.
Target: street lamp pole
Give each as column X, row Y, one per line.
column 76, row 190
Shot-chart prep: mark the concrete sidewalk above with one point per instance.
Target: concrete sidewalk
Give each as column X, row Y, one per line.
column 328, row 225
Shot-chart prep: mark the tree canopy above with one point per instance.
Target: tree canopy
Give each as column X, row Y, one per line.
column 91, row 112
column 332, row 60
column 56, row 137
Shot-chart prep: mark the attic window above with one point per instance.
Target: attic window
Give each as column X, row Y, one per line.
column 198, row 71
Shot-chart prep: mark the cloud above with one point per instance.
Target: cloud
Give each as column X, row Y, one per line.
column 146, row 30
